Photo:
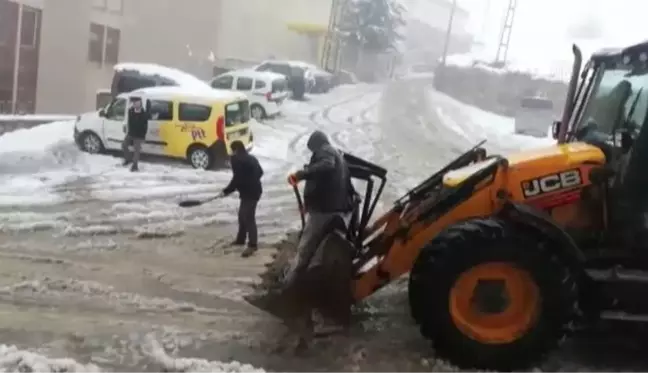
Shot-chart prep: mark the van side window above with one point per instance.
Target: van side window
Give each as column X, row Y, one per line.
column 117, row 110
column 223, row 82
column 259, row 84
column 193, row 113
column 243, row 83
column 161, row 110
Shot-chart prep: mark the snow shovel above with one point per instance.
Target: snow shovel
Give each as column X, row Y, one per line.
column 198, row 202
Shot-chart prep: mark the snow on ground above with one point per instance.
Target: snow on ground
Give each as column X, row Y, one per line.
column 475, row 125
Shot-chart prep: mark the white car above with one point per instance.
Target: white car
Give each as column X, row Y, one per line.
column 265, row 90
column 534, row 116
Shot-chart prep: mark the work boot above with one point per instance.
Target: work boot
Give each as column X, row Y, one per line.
column 134, row 168
column 126, row 162
column 249, row 251
column 237, row 243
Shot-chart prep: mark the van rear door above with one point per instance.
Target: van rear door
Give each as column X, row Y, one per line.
column 237, row 118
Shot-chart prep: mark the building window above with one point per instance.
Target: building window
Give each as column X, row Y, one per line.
column 112, row 46
column 29, row 27
column 103, row 46
column 96, row 43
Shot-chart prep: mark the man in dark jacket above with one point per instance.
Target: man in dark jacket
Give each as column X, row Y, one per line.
column 246, row 179
column 136, row 128
column 327, row 194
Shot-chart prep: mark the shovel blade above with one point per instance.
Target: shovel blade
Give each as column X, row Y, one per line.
column 190, row 203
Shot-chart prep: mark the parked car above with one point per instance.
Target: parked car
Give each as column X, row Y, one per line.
column 534, row 116
column 186, row 123
column 300, row 77
column 324, row 80
column 265, row 90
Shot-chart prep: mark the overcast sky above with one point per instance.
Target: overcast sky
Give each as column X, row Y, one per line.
column 544, row 29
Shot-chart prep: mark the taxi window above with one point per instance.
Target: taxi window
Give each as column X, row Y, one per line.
column 237, row 113
column 161, row 110
column 193, row 112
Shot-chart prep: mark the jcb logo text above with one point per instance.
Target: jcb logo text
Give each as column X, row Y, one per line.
column 551, row 183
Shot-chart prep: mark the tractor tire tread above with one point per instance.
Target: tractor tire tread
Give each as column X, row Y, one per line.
column 477, row 241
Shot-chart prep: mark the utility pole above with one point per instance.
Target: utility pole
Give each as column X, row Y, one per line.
column 16, row 70
column 505, row 36
column 448, row 36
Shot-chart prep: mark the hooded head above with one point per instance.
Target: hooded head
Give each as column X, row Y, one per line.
column 238, row 147
column 316, row 140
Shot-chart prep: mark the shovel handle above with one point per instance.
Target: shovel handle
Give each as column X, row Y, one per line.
column 300, row 205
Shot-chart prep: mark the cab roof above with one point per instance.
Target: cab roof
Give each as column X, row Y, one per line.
column 615, row 55
column 188, row 93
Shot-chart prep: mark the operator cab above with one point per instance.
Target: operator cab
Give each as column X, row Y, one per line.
column 610, row 109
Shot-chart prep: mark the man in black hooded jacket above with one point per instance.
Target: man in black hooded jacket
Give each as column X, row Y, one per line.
column 327, row 194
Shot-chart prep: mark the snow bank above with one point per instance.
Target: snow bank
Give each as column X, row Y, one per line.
column 552, row 70
column 35, row 118
column 37, row 139
column 156, row 352
column 13, row 359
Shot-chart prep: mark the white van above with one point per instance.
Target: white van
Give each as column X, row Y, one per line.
column 265, row 90
column 534, row 116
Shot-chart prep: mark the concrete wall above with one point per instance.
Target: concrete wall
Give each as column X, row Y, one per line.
column 63, row 44
column 185, row 44
column 258, row 29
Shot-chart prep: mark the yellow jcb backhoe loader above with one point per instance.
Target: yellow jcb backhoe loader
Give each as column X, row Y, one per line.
column 508, row 255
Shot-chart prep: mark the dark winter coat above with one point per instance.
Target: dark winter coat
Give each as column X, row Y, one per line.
column 246, row 176
column 137, row 123
column 327, row 177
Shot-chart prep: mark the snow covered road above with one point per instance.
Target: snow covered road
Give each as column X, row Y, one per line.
column 100, row 265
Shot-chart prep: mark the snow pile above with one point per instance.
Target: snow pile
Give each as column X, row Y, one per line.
column 35, row 118
column 37, row 139
column 13, row 359
column 157, row 353
column 179, row 77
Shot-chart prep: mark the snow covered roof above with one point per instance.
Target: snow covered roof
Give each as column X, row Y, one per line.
column 269, row 75
column 179, row 77
column 188, row 92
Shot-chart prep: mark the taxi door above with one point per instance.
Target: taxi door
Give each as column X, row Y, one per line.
column 237, row 116
column 161, row 116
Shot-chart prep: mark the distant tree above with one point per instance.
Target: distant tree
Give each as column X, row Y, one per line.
column 375, row 25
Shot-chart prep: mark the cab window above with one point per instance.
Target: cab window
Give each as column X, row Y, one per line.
column 237, row 113
column 193, row 112
column 161, row 110
column 223, row 82
column 243, row 83
column 117, row 110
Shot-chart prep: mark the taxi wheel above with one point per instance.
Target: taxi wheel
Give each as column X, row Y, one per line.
column 200, row 158
column 257, row 112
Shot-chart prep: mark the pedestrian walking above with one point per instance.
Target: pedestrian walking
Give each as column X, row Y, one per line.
column 246, row 179
column 136, row 128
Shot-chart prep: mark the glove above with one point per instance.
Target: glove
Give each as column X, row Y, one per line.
column 293, row 180
column 221, row 195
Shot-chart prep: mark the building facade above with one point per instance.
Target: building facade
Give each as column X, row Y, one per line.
column 56, row 54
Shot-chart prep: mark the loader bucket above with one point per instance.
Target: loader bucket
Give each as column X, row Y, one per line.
column 325, row 285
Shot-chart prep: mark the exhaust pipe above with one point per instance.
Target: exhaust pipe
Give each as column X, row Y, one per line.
column 571, row 93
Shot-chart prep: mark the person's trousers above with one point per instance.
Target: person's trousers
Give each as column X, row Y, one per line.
column 316, row 227
column 137, row 148
column 247, row 227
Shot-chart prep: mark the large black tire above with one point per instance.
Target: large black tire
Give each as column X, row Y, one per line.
column 480, row 241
